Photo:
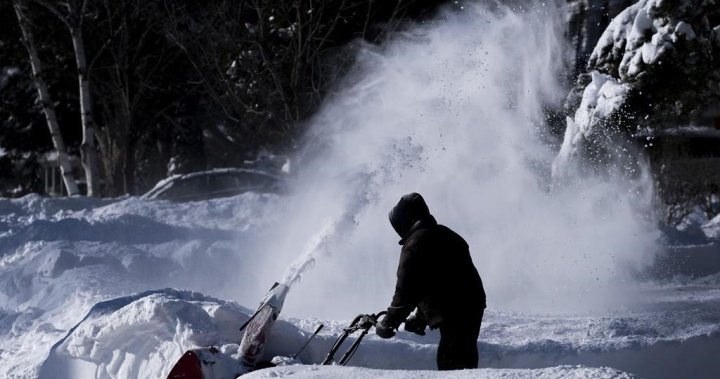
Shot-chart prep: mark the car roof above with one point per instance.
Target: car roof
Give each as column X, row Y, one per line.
column 169, row 181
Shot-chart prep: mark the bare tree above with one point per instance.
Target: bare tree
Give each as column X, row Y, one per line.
column 129, row 77
column 72, row 14
column 687, row 184
column 20, row 7
column 267, row 65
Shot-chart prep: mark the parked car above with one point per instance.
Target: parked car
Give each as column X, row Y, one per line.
column 213, row 184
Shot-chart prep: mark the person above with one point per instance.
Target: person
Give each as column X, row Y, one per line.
column 436, row 278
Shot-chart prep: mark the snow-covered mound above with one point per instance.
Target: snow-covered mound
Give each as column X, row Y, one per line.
column 59, row 257
column 137, row 336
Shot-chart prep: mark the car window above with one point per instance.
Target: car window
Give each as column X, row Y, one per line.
column 238, row 182
column 260, row 181
column 184, row 189
column 224, row 181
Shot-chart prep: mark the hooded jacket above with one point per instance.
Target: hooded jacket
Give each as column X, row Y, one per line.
column 435, row 273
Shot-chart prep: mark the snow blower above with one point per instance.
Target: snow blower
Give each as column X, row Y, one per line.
column 208, row 363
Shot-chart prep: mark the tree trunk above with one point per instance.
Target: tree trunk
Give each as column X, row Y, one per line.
column 88, row 149
column 46, row 100
column 129, row 168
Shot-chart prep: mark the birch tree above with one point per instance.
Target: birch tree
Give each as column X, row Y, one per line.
column 72, row 14
column 45, row 97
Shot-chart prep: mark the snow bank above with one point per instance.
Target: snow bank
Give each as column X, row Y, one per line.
column 66, row 268
column 58, row 257
column 142, row 335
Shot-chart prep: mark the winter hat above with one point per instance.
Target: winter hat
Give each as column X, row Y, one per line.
column 408, row 210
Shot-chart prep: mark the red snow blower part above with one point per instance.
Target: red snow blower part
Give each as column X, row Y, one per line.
column 206, row 363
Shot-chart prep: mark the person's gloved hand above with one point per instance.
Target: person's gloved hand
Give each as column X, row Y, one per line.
column 384, row 330
column 415, row 325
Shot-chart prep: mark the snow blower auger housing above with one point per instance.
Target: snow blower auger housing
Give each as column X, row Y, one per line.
column 361, row 322
column 208, row 363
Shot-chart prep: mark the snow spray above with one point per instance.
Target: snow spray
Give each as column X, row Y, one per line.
column 453, row 109
column 315, row 247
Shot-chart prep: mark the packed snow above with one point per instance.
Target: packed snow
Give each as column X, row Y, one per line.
column 120, row 288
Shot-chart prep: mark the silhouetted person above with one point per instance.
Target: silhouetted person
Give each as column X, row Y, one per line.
column 435, row 275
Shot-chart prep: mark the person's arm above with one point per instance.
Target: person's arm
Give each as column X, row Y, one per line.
column 409, row 289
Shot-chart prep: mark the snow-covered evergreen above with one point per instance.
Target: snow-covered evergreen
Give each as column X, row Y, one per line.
column 656, row 62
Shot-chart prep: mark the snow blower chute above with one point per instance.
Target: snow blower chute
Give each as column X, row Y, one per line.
column 207, row 363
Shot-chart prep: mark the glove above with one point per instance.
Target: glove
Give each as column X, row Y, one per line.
column 415, row 324
column 384, row 330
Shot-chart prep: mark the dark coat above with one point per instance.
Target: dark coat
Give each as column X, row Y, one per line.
column 436, row 274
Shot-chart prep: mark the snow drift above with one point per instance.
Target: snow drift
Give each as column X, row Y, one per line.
column 673, row 334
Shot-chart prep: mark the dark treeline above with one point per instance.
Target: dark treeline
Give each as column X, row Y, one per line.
column 172, row 86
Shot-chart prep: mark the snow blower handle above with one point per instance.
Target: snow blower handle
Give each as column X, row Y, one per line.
column 308, row 341
column 361, row 322
column 368, row 321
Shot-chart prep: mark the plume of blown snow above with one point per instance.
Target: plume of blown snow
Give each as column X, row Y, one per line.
column 453, row 110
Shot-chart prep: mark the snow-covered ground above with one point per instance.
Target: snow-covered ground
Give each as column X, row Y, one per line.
column 120, row 288
column 84, row 292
